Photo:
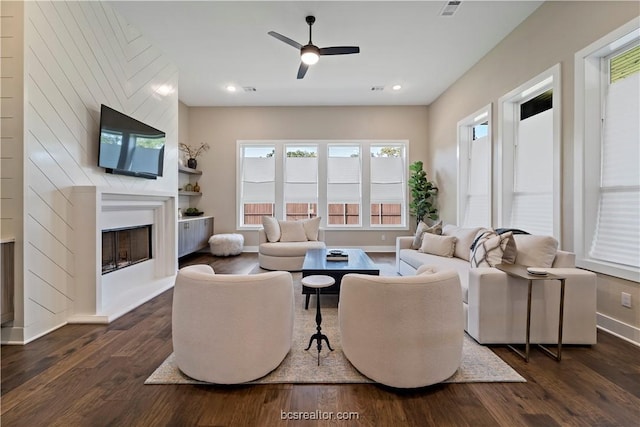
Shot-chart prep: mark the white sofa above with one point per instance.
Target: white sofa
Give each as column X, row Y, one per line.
column 403, row 332
column 495, row 304
column 230, row 329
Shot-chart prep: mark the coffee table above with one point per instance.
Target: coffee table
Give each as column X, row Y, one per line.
column 315, row 263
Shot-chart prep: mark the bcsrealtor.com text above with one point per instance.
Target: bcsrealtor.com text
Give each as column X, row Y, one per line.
column 319, row 415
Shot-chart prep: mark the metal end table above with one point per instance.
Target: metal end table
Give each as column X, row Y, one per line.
column 318, row 282
column 521, row 272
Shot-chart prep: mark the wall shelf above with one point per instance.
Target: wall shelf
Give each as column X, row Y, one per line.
column 190, row 171
column 189, row 193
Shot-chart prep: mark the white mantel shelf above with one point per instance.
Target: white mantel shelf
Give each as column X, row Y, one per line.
column 102, row 298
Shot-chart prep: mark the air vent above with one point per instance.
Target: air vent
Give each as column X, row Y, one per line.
column 377, row 88
column 450, row 8
column 249, row 88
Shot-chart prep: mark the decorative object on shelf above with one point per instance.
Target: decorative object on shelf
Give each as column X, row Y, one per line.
column 179, row 212
column 188, row 187
column 193, row 153
column 423, row 194
column 192, row 212
column 196, row 187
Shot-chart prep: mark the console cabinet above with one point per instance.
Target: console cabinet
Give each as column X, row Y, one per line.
column 193, row 234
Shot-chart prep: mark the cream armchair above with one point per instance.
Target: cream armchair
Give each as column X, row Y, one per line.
column 230, row 329
column 403, row 332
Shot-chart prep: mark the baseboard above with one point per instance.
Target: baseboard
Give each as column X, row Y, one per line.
column 254, row 249
column 619, row 329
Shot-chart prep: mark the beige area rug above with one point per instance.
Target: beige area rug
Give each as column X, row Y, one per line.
column 479, row 363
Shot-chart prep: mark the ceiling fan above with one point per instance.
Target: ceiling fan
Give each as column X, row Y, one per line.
column 310, row 53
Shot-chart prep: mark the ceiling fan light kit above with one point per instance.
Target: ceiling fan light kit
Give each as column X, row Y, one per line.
column 310, row 53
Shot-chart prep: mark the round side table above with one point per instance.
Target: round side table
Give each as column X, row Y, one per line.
column 318, row 282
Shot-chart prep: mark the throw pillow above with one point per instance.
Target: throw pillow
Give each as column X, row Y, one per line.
column 292, row 231
column 535, row 251
column 492, row 249
column 271, row 228
column 424, row 228
column 438, row 245
column 311, row 228
column 464, row 239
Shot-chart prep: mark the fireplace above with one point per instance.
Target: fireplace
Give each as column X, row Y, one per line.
column 124, row 247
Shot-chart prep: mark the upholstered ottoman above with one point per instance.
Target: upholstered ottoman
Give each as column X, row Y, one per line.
column 226, row 244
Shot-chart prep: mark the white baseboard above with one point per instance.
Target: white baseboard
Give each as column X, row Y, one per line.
column 619, row 329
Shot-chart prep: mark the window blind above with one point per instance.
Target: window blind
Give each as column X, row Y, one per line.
column 477, row 202
column 617, row 233
column 343, row 179
column 301, row 179
column 258, row 180
column 387, row 180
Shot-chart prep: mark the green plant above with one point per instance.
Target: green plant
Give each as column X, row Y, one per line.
column 423, row 193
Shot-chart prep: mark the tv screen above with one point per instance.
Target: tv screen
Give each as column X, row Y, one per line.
column 128, row 146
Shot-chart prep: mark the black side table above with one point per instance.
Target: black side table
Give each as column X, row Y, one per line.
column 318, row 282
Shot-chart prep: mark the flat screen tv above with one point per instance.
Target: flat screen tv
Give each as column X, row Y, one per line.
column 128, row 146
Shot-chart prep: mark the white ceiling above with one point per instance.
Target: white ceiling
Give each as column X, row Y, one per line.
column 217, row 43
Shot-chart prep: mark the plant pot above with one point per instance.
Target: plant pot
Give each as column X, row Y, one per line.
column 192, row 163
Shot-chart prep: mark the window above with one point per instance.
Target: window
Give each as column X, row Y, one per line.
column 301, row 182
column 350, row 184
column 257, row 186
column 387, row 172
column 344, row 173
column 474, row 169
column 607, row 225
column 529, row 118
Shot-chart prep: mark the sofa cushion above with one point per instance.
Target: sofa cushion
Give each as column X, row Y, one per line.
column 271, row 228
column 535, row 251
column 491, row 249
column 289, row 249
column 311, row 228
column 417, row 259
column 424, row 228
column 464, row 239
column 438, row 245
column 292, row 231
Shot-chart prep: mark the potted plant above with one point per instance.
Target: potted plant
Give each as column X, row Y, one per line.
column 193, row 153
column 423, row 194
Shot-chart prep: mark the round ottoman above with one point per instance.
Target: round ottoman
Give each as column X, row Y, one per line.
column 226, row 244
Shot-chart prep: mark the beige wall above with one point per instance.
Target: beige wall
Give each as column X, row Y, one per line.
column 183, row 123
column 221, row 127
column 551, row 35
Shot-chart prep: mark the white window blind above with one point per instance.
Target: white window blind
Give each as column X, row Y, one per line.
column 532, row 205
column 343, row 179
column 387, row 180
column 617, row 234
column 301, row 179
column 476, row 213
column 258, row 180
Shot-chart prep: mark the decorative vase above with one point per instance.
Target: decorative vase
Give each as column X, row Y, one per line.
column 188, row 187
column 192, row 163
column 196, row 187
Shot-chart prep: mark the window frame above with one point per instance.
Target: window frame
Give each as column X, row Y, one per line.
column 322, row 206
column 589, row 100
column 508, row 118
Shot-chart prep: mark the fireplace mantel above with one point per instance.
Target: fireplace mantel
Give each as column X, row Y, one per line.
column 103, row 298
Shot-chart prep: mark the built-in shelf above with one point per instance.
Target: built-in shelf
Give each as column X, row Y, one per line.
column 185, row 169
column 189, row 193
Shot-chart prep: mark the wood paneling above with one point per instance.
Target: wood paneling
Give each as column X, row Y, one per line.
column 79, row 55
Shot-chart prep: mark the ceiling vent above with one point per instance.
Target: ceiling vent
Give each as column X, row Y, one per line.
column 450, row 8
column 249, row 88
column 377, row 88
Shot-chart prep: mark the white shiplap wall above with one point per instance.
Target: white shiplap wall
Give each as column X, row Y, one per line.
column 79, row 55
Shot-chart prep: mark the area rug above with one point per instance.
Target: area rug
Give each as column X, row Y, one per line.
column 479, row 363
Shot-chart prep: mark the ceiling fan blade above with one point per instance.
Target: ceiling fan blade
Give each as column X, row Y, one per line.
column 339, row 50
column 302, row 70
column 285, row 39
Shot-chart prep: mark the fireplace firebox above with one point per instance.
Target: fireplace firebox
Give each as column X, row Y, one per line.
column 124, row 247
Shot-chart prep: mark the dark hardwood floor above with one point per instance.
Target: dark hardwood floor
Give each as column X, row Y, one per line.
column 92, row 375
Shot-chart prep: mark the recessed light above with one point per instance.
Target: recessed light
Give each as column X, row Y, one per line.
column 231, row 88
column 396, row 87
